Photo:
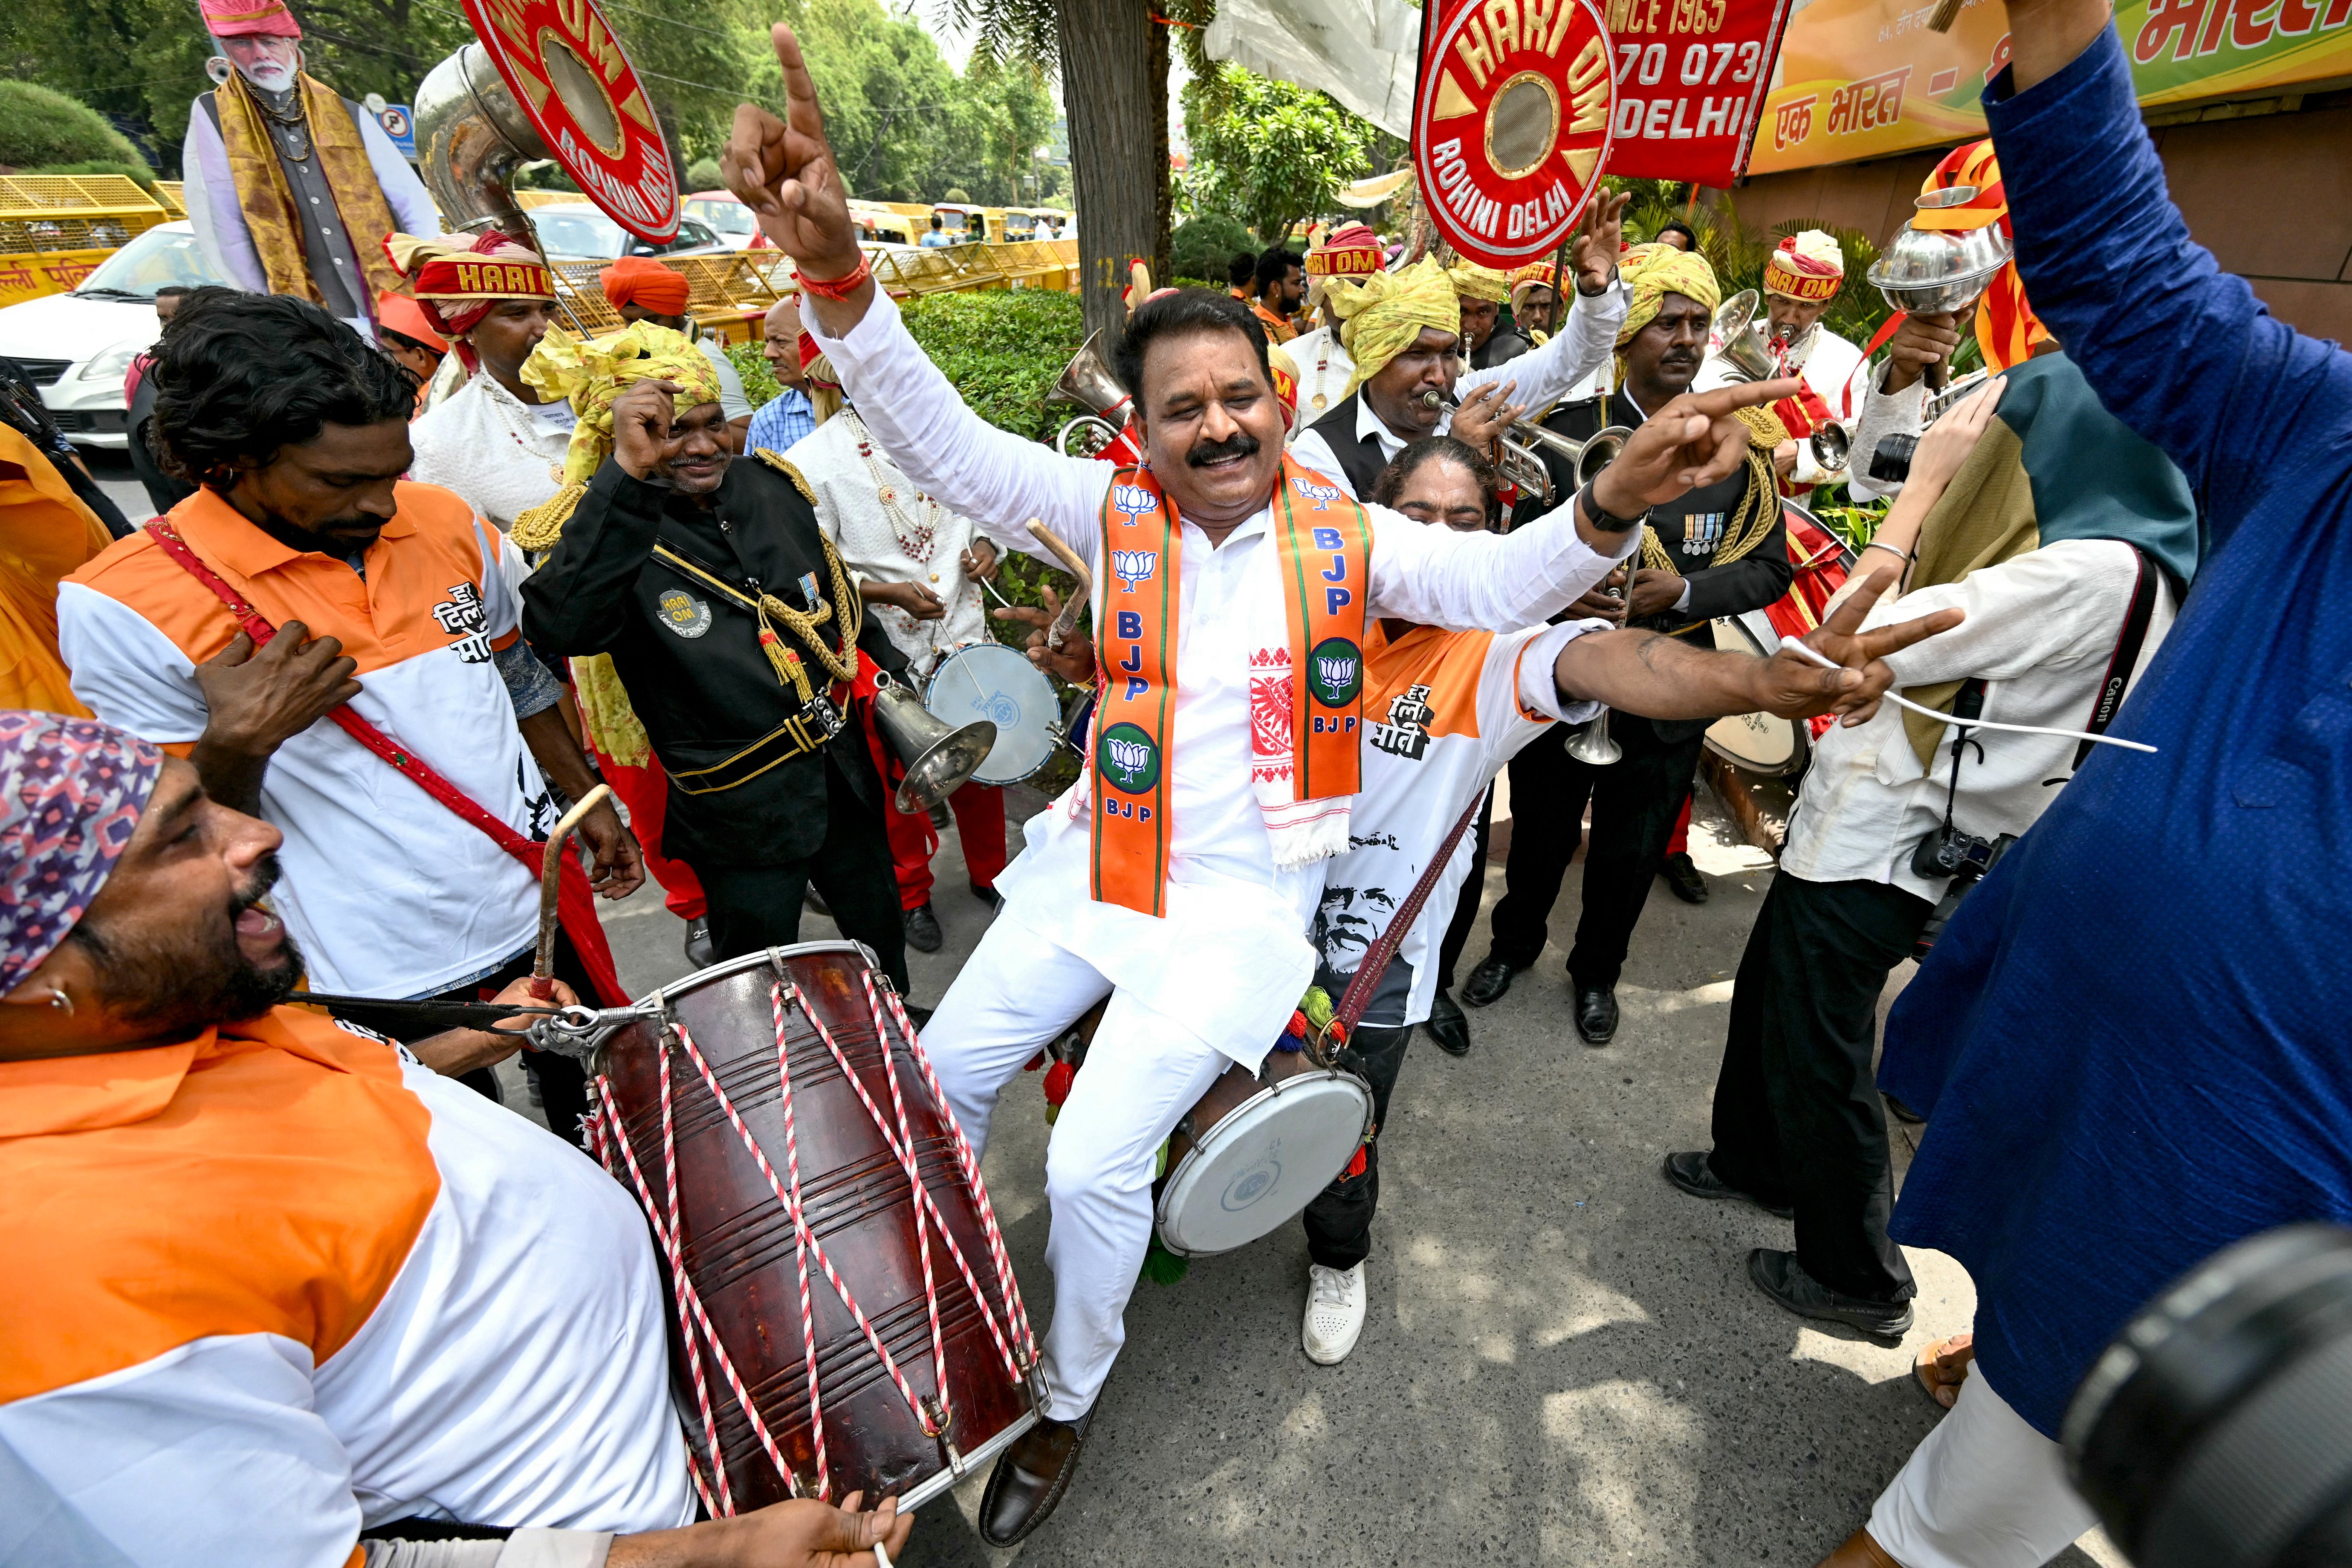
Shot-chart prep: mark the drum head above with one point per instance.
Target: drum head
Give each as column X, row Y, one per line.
column 1761, row 742
column 1263, row 1165
column 990, row 681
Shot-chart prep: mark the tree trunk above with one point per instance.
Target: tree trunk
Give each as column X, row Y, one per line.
column 1117, row 102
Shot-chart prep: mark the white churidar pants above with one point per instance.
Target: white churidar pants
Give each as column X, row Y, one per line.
column 1984, row 1491
column 1144, row 1072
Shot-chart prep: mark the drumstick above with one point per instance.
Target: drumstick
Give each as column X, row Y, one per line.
column 1068, row 621
column 1826, row 662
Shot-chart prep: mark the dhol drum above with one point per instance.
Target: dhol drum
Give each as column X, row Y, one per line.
column 844, row 1315
column 1761, row 742
column 1252, row 1155
column 989, row 681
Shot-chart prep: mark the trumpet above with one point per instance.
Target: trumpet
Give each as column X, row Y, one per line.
column 1591, row 744
column 1524, row 445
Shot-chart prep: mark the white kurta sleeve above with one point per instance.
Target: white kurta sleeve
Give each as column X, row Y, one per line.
column 210, row 197
column 992, row 477
column 1484, row 582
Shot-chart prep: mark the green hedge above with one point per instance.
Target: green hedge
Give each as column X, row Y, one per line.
column 1002, row 349
column 41, row 128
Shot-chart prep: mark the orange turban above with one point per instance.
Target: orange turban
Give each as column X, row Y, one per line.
column 641, row 280
column 2007, row 328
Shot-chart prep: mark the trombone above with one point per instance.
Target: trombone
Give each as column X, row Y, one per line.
column 1524, row 445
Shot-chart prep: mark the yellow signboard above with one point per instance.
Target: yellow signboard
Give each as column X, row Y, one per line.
column 28, row 276
column 1862, row 78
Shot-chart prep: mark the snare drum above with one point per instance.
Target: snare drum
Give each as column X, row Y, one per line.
column 1253, row 1152
column 843, row 1316
column 1761, row 742
column 989, row 681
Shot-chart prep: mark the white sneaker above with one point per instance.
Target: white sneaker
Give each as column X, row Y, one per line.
column 1335, row 1312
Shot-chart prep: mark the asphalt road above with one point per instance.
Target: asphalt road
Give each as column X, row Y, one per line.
column 1564, row 1362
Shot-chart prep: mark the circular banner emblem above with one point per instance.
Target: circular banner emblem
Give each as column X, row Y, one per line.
column 1335, row 672
column 1512, row 124
column 1129, row 758
column 563, row 64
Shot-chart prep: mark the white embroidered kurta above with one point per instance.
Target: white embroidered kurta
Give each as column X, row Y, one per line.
column 486, row 445
column 850, row 510
column 1231, row 957
column 1324, row 366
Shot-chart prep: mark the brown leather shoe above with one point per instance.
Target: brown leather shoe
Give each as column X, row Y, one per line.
column 1030, row 1478
column 1859, row 1551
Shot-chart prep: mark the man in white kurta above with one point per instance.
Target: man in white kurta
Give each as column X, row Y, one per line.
column 1211, row 983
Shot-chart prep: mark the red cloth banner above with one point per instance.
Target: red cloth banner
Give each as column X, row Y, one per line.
column 1691, row 76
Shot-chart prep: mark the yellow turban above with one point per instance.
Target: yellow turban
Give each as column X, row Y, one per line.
column 1472, row 282
column 1383, row 315
column 590, row 374
column 1651, row 272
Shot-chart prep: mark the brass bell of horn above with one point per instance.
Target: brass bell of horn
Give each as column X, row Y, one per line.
column 1088, row 381
column 938, row 759
column 1744, row 348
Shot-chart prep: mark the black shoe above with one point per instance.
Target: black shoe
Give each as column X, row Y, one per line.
column 1487, row 983
column 1447, row 1026
column 939, row 816
column 700, row 950
column 1694, row 1175
column 1030, row 1478
column 1596, row 1014
column 1781, row 1276
column 1903, row 1113
column 923, row 934
column 814, row 901
column 1684, row 879
column 988, row 896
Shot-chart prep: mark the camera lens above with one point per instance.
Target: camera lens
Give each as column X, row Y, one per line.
column 2216, row 1430
column 1891, row 462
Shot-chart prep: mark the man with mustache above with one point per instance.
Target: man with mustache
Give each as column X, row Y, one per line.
column 1716, row 551
column 395, row 611
column 291, row 188
column 275, row 1282
column 719, row 638
column 1176, row 880
column 1403, row 330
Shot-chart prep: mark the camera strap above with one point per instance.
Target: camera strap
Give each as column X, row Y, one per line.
column 1967, row 703
column 2125, row 658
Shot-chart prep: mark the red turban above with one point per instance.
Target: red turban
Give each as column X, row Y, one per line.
column 459, row 282
column 249, row 19
column 640, row 280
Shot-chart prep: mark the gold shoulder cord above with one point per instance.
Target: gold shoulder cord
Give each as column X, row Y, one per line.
column 789, row 667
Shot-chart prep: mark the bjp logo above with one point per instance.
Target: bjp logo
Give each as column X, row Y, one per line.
column 1129, row 758
column 1132, row 566
column 1335, row 672
column 1133, row 500
column 1322, row 495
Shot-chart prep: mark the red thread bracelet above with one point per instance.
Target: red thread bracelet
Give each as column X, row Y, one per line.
column 839, row 287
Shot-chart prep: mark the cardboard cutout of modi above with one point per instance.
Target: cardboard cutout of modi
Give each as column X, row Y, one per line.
column 292, row 188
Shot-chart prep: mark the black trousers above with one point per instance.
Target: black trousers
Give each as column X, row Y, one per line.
column 1797, row 1115
column 562, row 1083
column 1339, row 1221
column 1634, row 802
column 752, row 907
column 1465, row 904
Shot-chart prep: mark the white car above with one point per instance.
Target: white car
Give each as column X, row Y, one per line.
column 578, row 231
column 76, row 347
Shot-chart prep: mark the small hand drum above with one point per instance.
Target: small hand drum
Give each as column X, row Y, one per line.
column 989, row 681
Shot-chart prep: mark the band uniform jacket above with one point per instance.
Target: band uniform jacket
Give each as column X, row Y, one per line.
column 1690, row 527
column 691, row 658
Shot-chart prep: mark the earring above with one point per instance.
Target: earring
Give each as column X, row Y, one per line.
column 59, row 1000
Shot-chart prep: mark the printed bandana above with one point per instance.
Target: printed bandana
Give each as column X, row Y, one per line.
column 1307, row 679
column 71, row 792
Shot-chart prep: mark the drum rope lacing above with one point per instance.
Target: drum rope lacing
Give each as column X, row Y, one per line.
column 902, row 1148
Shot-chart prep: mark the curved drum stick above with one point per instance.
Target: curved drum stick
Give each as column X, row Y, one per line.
column 1074, row 564
column 551, row 884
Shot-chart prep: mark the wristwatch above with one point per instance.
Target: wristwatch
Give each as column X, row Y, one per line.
column 1603, row 289
column 1606, row 521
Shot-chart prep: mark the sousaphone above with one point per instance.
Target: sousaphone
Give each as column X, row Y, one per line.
column 549, row 79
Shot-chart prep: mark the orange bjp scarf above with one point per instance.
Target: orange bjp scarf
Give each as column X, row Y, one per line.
column 1306, row 696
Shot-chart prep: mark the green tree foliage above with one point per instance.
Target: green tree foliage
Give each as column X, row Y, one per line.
column 41, row 128
column 1206, row 242
column 1270, row 153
